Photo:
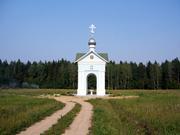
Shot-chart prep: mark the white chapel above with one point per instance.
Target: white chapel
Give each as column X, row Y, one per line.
column 91, row 63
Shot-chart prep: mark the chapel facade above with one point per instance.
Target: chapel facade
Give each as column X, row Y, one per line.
column 91, row 63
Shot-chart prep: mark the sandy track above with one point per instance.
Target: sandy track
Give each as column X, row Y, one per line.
column 80, row 125
column 45, row 124
column 82, row 122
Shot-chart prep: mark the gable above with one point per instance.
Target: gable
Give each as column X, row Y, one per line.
column 91, row 58
column 102, row 56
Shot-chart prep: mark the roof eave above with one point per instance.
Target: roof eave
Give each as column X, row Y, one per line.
column 101, row 57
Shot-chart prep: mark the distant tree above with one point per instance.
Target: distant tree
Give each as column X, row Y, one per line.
column 134, row 81
column 166, row 75
column 111, row 74
column 176, row 73
column 19, row 71
column 142, row 76
column 73, row 75
column 33, row 73
column 153, row 75
column 150, row 76
column 63, row 74
column 157, row 75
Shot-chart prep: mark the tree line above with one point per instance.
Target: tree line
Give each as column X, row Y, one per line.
column 63, row 74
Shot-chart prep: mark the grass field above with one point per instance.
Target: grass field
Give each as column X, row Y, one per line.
column 153, row 113
column 19, row 110
column 37, row 92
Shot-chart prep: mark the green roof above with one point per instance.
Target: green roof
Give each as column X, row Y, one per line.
column 103, row 55
column 79, row 55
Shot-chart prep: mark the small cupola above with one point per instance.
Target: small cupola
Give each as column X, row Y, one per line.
column 92, row 44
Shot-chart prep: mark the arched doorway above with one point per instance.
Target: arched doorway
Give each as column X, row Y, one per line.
column 91, row 83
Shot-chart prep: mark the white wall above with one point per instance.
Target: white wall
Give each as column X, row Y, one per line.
column 85, row 68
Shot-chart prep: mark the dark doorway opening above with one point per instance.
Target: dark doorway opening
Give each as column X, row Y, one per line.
column 91, row 82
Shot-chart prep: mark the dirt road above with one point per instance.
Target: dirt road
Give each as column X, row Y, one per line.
column 82, row 122
column 80, row 125
column 45, row 124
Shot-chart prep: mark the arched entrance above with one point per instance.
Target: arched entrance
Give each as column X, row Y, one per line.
column 91, row 83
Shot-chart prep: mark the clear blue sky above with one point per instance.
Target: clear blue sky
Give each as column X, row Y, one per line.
column 128, row 30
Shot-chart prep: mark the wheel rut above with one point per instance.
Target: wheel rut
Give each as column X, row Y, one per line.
column 80, row 125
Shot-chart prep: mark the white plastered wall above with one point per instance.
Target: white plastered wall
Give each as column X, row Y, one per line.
column 88, row 66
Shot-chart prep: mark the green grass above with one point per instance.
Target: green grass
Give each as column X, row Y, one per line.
column 154, row 112
column 137, row 92
column 19, row 111
column 64, row 122
column 37, row 92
